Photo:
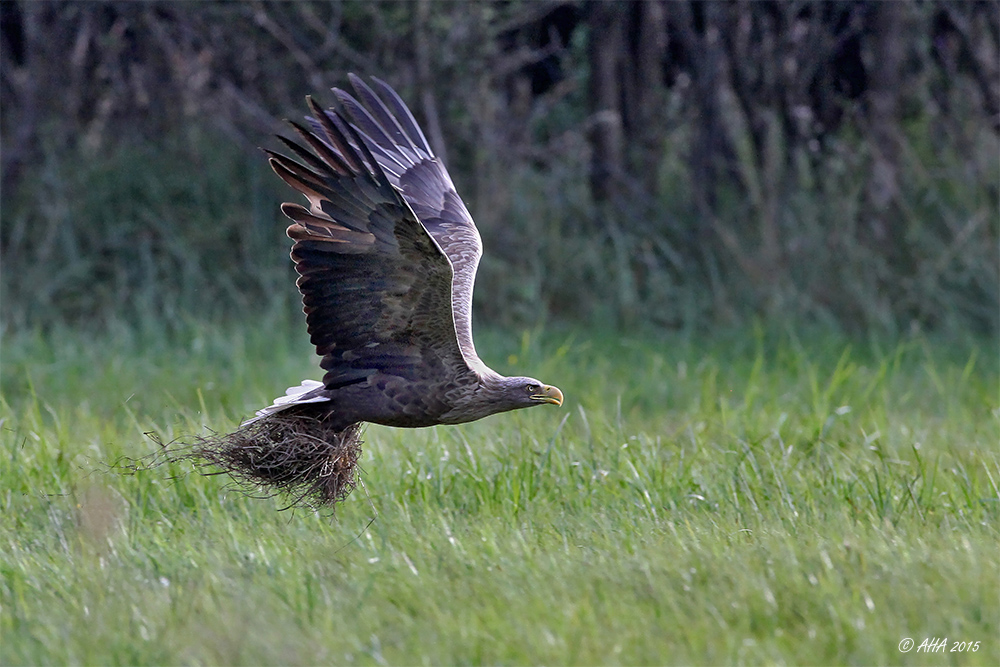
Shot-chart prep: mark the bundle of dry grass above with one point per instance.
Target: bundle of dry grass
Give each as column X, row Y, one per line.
column 295, row 452
column 300, row 455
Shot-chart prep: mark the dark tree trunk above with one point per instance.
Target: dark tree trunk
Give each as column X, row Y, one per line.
column 606, row 35
column 887, row 55
column 710, row 148
column 649, row 92
column 21, row 78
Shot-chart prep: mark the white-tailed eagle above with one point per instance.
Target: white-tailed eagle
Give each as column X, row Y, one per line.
column 387, row 254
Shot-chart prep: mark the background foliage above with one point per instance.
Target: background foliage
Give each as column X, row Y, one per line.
column 674, row 164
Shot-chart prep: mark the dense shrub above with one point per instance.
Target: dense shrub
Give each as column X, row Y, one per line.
column 664, row 164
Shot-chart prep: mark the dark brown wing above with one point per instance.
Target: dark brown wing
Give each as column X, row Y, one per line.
column 376, row 287
column 397, row 143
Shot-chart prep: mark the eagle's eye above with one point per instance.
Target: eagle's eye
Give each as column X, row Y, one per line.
column 531, row 388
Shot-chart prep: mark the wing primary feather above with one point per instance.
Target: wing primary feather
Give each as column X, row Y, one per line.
column 358, row 143
column 402, row 113
column 330, row 195
column 383, row 145
column 314, row 162
column 336, row 137
column 300, row 213
column 374, row 105
column 317, row 226
column 318, row 129
column 297, row 183
column 374, row 166
column 301, row 171
column 365, row 122
column 325, row 153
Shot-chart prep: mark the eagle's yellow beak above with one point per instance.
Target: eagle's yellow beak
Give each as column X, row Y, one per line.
column 549, row 395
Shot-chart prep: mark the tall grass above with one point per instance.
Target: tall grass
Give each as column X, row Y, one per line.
column 756, row 496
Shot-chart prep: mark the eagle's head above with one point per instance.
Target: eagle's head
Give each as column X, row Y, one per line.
column 524, row 392
column 497, row 393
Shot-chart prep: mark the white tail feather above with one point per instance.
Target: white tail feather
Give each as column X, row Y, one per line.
column 307, row 392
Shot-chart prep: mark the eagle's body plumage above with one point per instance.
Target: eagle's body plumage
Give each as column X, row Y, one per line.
column 387, row 255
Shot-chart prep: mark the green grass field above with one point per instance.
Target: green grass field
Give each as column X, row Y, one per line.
column 743, row 498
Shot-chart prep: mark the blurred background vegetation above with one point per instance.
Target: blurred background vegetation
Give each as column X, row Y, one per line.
column 648, row 164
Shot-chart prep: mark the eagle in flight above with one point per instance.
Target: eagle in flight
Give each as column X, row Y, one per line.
column 386, row 253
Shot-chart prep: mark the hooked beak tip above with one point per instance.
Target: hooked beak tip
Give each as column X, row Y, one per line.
column 550, row 395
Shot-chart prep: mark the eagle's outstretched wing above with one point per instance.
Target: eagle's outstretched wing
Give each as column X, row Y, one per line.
column 392, row 135
column 376, row 287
